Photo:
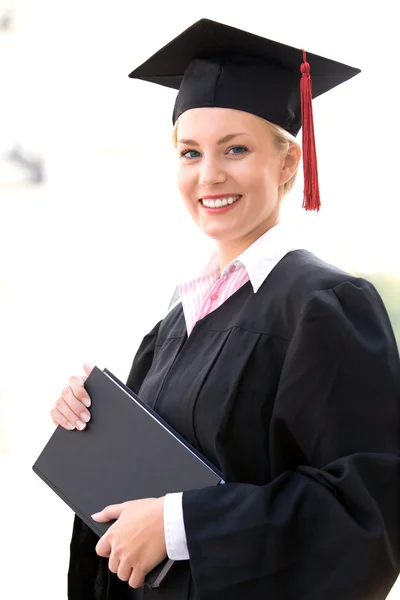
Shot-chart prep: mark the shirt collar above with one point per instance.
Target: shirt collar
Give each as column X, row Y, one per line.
column 264, row 254
column 259, row 259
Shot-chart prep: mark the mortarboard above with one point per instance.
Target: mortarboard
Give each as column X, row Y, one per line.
column 212, row 64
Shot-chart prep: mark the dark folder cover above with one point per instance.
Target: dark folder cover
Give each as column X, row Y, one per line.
column 126, row 452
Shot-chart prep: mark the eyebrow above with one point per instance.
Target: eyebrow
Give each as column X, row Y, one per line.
column 223, row 140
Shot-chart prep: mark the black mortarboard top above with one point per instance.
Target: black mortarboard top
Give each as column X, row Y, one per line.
column 212, row 64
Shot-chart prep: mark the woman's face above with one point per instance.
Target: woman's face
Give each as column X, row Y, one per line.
column 230, row 173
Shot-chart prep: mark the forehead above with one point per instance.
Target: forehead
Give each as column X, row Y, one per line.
column 214, row 122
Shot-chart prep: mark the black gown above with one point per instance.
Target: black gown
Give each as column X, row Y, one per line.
column 294, row 393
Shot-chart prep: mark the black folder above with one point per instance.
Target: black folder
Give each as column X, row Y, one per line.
column 126, row 452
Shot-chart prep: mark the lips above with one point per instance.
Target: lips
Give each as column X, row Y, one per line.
column 216, row 196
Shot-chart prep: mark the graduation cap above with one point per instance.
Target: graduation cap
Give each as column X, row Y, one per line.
column 212, row 64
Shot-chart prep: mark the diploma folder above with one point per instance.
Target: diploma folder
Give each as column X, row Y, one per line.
column 126, row 452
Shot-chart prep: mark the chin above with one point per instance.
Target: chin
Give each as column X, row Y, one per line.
column 222, row 234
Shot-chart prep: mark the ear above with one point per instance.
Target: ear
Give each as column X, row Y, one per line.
column 290, row 163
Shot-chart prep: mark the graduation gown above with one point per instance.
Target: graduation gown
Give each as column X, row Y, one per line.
column 294, row 393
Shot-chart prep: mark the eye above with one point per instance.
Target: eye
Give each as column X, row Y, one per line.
column 237, row 150
column 189, row 154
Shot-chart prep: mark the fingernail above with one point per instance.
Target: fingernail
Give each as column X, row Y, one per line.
column 94, row 515
column 85, row 417
column 80, row 425
column 70, row 426
column 86, row 402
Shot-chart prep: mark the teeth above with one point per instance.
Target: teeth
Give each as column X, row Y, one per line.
column 220, row 202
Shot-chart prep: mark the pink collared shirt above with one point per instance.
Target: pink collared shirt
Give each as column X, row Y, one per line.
column 206, row 293
column 199, row 297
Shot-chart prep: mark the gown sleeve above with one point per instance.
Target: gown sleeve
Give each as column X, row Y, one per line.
column 327, row 525
column 143, row 360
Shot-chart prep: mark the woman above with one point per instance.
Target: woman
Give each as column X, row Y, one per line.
column 282, row 370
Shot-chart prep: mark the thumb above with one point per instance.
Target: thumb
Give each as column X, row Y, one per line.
column 109, row 513
column 87, row 368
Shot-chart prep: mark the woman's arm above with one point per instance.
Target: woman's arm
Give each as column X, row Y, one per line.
column 88, row 571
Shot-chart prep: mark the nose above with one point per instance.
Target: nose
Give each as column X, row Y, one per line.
column 211, row 172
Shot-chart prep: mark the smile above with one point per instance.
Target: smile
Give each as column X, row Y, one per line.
column 220, row 202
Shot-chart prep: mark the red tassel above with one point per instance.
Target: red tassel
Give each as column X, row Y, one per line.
column 311, row 200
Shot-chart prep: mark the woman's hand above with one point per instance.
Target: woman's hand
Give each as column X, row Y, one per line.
column 70, row 410
column 135, row 543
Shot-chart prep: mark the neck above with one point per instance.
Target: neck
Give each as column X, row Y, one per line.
column 228, row 250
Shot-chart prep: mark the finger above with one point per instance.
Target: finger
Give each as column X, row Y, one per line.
column 59, row 419
column 109, row 513
column 103, row 547
column 75, row 405
column 79, row 421
column 77, row 386
column 136, row 580
column 124, row 571
column 87, row 368
column 113, row 563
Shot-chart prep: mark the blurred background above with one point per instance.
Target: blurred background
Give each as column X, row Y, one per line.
column 89, row 213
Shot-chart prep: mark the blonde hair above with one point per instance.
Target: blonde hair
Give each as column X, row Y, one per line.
column 282, row 139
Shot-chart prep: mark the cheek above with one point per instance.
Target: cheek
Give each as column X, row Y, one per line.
column 252, row 178
column 250, row 172
column 184, row 180
column 186, row 185
column 179, row 180
column 263, row 180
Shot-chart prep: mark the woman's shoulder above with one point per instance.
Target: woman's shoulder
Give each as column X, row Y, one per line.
column 301, row 278
column 301, row 273
column 306, row 270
